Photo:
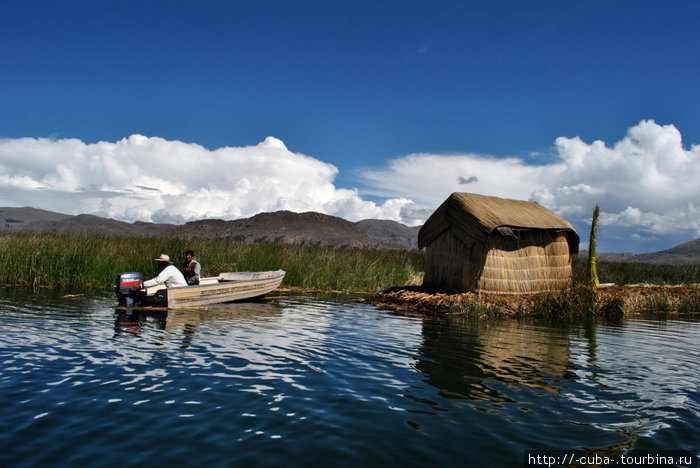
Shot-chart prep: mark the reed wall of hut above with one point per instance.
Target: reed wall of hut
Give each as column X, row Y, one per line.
column 467, row 248
column 536, row 261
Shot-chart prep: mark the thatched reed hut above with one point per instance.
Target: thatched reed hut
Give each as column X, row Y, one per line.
column 496, row 245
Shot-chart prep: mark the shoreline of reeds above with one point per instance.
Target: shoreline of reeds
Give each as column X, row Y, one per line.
column 611, row 303
column 78, row 261
column 388, row 279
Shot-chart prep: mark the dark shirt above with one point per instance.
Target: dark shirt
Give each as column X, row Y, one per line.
column 191, row 271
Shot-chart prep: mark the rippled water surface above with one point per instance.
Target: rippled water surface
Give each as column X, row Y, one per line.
column 308, row 381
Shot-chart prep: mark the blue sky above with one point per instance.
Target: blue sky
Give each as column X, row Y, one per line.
column 375, row 109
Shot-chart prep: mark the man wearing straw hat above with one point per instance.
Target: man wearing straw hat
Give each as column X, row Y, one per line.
column 169, row 275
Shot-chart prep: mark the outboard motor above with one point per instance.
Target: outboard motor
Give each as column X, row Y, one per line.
column 123, row 288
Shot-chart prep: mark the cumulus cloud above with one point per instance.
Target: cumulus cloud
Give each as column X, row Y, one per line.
column 430, row 178
column 647, row 182
column 153, row 179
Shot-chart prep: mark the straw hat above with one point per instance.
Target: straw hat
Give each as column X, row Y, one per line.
column 163, row 258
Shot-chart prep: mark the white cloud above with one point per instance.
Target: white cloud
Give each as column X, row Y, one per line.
column 152, row 179
column 647, row 182
column 429, row 178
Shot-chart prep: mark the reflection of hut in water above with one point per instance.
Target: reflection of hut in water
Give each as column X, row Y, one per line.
column 483, row 361
column 495, row 245
column 532, row 356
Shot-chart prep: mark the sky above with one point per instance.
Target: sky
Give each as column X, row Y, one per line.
column 170, row 111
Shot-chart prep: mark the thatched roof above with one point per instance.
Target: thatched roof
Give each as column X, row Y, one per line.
column 479, row 215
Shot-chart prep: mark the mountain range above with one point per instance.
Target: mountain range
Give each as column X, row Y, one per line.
column 683, row 254
column 279, row 227
column 309, row 228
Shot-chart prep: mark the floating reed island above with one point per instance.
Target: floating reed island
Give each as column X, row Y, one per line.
column 515, row 258
column 573, row 303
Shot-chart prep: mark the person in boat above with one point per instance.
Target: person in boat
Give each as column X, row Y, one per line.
column 169, row 275
column 191, row 269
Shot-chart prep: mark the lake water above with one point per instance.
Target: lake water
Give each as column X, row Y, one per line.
column 310, row 381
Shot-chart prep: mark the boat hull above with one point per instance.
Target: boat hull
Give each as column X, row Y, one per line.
column 231, row 287
column 227, row 287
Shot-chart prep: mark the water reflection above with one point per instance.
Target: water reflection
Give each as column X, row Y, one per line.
column 135, row 321
column 620, row 385
column 132, row 323
column 480, row 362
column 635, row 378
column 303, row 378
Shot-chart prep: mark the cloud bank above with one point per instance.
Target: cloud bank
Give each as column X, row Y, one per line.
column 152, row 179
column 646, row 184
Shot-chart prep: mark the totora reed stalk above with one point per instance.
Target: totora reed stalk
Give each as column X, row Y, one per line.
column 592, row 269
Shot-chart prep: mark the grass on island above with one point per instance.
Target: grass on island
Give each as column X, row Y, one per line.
column 640, row 289
column 576, row 303
column 638, row 273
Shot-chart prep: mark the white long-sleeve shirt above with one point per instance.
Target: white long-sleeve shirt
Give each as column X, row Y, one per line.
column 170, row 277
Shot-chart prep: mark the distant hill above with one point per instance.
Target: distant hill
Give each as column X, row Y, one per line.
column 285, row 227
column 282, row 227
column 33, row 220
column 17, row 219
column 98, row 225
column 686, row 253
column 391, row 232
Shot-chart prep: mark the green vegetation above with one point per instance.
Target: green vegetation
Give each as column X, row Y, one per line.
column 568, row 304
column 575, row 303
column 477, row 308
column 88, row 260
column 636, row 273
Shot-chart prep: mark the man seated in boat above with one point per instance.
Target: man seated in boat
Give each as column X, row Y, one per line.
column 169, row 275
column 191, row 269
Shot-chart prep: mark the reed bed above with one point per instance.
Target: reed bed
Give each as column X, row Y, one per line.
column 638, row 273
column 575, row 303
column 639, row 289
column 76, row 261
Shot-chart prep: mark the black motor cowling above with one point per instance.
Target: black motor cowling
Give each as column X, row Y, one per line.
column 125, row 282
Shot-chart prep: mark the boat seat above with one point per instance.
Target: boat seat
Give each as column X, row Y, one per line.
column 210, row 280
column 154, row 289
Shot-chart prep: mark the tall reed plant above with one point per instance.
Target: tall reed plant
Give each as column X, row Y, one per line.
column 592, row 269
column 89, row 260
